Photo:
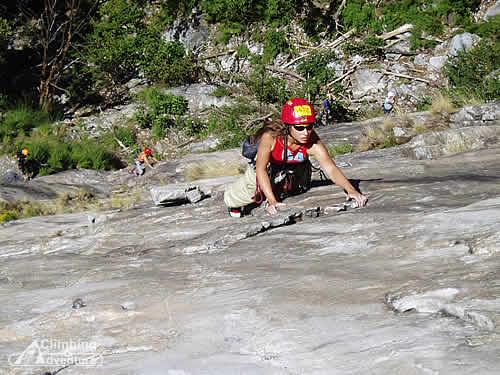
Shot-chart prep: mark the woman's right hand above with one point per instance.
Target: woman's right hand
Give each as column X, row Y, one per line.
column 272, row 208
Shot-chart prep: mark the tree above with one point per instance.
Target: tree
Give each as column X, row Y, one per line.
column 57, row 28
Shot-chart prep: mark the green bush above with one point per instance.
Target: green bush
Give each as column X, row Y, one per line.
column 160, row 110
column 21, row 121
column 122, row 44
column 361, row 15
column 427, row 16
column 51, row 153
column 243, row 51
column 5, row 34
column 228, row 124
column 315, row 69
column 281, row 12
column 159, row 102
column 340, row 149
column 8, row 215
column 221, row 91
column 267, row 88
column 158, row 130
column 126, row 134
column 89, row 153
column 370, row 46
column 241, row 11
column 226, row 129
column 5, row 29
column 227, row 30
column 165, row 62
column 475, row 73
column 4, row 101
column 274, row 44
column 488, row 29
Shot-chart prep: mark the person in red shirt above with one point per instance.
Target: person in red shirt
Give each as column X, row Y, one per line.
column 280, row 170
column 145, row 158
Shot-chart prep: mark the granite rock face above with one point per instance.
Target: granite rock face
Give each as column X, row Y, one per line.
column 408, row 284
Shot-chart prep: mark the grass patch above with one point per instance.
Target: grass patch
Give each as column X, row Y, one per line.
column 221, row 91
column 69, row 202
column 21, row 121
column 442, row 105
column 372, row 113
column 382, row 136
column 341, row 149
column 212, row 169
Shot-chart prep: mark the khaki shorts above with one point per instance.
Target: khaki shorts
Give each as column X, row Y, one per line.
column 241, row 192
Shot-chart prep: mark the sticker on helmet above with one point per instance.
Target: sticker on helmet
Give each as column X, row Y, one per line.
column 302, row 110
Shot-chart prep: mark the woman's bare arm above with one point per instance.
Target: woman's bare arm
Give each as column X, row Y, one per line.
column 319, row 151
column 263, row 156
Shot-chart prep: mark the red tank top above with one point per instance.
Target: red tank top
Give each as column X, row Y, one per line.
column 298, row 156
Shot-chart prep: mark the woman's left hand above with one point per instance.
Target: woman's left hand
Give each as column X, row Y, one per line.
column 359, row 198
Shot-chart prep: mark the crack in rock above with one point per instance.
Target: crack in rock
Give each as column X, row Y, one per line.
column 263, row 223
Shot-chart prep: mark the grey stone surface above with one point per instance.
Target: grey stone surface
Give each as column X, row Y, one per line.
column 199, row 96
column 487, row 114
column 207, row 145
column 437, row 62
column 437, row 144
column 192, row 33
column 96, row 124
column 462, row 42
column 399, row 132
column 408, row 284
column 421, row 59
column 493, row 11
column 366, row 81
column 177, row 194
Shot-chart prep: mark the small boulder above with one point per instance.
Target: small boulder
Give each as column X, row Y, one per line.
column 176, row 194
column 462, row 42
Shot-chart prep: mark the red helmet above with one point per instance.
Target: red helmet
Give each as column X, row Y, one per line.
column 298, row 111
column 148, row 151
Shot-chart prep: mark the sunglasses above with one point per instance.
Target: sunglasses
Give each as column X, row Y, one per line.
column 300, row 128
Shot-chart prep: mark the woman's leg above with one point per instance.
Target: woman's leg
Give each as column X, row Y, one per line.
column 241, row 192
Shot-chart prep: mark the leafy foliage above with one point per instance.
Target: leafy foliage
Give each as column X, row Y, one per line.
column 340, row 149
column 21, row 121
column 125, row 134
column 370, row 46
column 267, row 88
column 317, row 72
column 426, row 15
column 122, row 44
column 240, row 11
column 488, row 29
column 476, row 72
column 281, row 12
column 361, row 15
column 160, row 110
column 275, row 43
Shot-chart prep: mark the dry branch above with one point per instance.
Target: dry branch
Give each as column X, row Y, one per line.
column 250, row 123
column 120, row 143
column 336, row 16
column 228, row 52
column 405, row 76
column 334, row 44
column 185, row 143
column 400, row 30
column 338, row 79
column 286, row 72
